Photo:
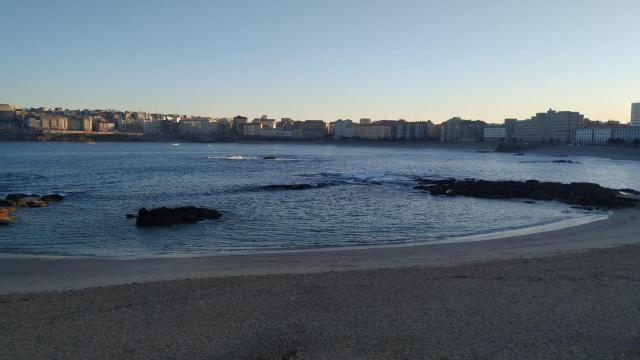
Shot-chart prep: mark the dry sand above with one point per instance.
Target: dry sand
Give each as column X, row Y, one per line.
column 418, row 302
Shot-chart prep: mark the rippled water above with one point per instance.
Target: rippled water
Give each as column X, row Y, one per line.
column 371, row 199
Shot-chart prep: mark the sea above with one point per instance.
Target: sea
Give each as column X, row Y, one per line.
column 367, row 198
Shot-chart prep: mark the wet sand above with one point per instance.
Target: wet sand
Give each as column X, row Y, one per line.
column 39, row 274
column 572, row 293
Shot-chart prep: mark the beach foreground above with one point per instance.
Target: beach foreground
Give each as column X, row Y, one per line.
column 575, row 306
column 536, row 296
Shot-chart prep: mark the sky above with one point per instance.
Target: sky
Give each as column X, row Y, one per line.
column 330, row 59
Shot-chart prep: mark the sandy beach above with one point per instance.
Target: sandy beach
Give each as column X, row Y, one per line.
column 565, row 294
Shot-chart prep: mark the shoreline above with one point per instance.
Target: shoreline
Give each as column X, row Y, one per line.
column 610, row 152
column 493, row 235
column 27, row 274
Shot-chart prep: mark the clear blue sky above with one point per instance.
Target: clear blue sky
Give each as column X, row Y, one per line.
column 327, row 59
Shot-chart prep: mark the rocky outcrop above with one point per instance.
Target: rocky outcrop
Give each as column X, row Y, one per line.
column 51, row 197
column 164, row 216
column 295, row 186
column 512, row 147
column 6, row 215
column 29, row 200
column 17, row 200
column 566, row 162
column 581, row 194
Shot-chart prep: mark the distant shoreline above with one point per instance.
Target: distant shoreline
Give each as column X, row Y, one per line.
column 612, row 152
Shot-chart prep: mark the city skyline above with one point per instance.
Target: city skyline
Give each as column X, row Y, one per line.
column 419, row 61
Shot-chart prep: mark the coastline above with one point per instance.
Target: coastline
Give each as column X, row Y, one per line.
column 34, row 274
column 611, row 152
column 493, row 235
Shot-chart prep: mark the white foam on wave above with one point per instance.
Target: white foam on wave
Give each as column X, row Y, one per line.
column 232, row 157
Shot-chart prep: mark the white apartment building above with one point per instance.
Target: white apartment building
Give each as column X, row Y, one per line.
column 495, row 133
column 626, row 133
column 343, row 129
column 635, row 114
column 593, row 136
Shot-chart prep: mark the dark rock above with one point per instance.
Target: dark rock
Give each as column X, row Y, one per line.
column 427, row 181
column 295, row 186
column 582, row 194
column 529, row 202
column 519, row 154
column 5, row 203
column 566, row 162
column 588, row 208
column 173, row 216
column 512, row 148
column 52, row 197
column 131, row 216
column 270, row 157
column 35, row 203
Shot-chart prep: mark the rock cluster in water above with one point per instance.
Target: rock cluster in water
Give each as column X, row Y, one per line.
column 302, row 186
column 164, row 216
column 577, row 193
column 16, row 200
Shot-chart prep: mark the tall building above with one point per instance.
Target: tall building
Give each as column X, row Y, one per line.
column 237, row 123
column 552, row 126
column 635, row 114
column 460, row 130
column 343, row 129
column 8, row 117
column 411, row 129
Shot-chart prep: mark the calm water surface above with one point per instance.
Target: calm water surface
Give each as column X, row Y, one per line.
column 372, row 201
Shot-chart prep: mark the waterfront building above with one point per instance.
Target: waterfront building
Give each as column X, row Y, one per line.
column 251, row 129
column 607, row 134
column 157, row 117
column 552, row 126
column 268, row 123
column 629, row 134
column 152, row 127
column 285, row 124
column 412, row 130
column 378, row 131
column 196, row 126
column 593, row 135
column 635, row 114
column 433, row 133
column 8, row 117
column 6, row 107
column 33, row 122
column 51, row 122
column 461, row 130
column 223, row 126
column 237, row 123
column 495, row 133
column 79, row 123
column 365, row 121
column 310, row 129
column 106, row 127
column 343, row 129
